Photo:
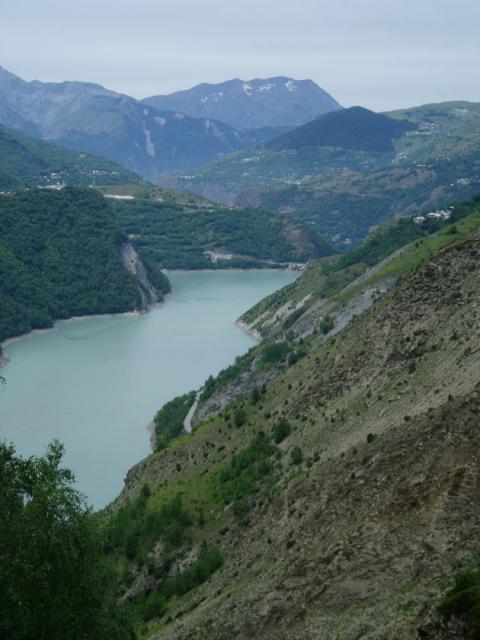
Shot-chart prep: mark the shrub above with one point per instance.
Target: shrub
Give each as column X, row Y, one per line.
column 281, row 431
column 295, row 356
column 243, row 477
column 327, row 324
column 239, row 417
column 208, row 562
column 463, row 600
column 169, row 419
column 255, row 395
column 296, row 457
column 273, row 353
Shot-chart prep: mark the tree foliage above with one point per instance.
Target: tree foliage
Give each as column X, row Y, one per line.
column 54, row 581
column 59, row 257
column 178, row 238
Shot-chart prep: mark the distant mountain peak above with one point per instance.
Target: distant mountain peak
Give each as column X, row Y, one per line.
column 252, row 104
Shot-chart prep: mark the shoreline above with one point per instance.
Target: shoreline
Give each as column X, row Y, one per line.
column 253, row 333
column 299, row 270
column 5, row 357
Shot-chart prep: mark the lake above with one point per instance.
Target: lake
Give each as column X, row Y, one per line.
column 96, row 383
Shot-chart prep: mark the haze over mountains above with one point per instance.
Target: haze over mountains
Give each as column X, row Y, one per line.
column 325, row 484
column 252, row 104
column 149, row 140
column 283, row 144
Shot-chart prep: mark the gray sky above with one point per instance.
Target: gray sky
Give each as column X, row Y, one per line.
column 381, row 54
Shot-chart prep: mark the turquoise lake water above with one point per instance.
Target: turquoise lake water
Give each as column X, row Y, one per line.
column 96, row 383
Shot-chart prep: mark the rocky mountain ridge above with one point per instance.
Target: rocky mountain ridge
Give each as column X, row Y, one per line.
column 252, row 104
column 143, row 138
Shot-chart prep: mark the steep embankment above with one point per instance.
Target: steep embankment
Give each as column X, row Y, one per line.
column 61, row 255
column 339, row 499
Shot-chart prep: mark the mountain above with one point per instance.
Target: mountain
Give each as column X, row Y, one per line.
column 353, row 128
column 375, row 172
column 252, row 104
column 89, row 118
column 62, row 254
column 344, row 208
column 28, row 161
column 329, row 488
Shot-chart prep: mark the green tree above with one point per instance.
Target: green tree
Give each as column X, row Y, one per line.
column 296, row 456
column 281, row 430
column 239, row 417
column 54, row 581
column 255, row 395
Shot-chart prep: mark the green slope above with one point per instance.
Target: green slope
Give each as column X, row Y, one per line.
column 340, row 483
column 181, row 235
column 353, row 128
column 33, row 162
column 342, row 191
column 59, row 257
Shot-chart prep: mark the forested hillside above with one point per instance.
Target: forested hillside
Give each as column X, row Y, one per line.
column 203, row 235
column 26, row 161
column 353, row 128
column 352, row 169
column 60, row 257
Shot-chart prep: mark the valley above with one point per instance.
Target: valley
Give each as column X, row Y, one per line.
column 250, row 315
column 333, row 468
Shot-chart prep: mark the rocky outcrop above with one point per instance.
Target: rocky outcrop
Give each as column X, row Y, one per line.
column 135, row 267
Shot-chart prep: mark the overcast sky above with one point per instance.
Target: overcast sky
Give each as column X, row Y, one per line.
column 381, row 54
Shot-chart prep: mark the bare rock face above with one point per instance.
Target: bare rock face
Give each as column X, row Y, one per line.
column 135, row 267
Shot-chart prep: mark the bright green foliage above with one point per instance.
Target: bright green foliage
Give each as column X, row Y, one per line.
column 463, row 600
column 281, row 431
column 169, row 419
column 59, row 257
column 54, row 582
column 245, row 475
column 135, row 528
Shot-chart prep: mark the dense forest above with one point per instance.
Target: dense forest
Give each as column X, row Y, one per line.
column 177, row 237
column 32, row 162
column 59, row 257
column 353, row 128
